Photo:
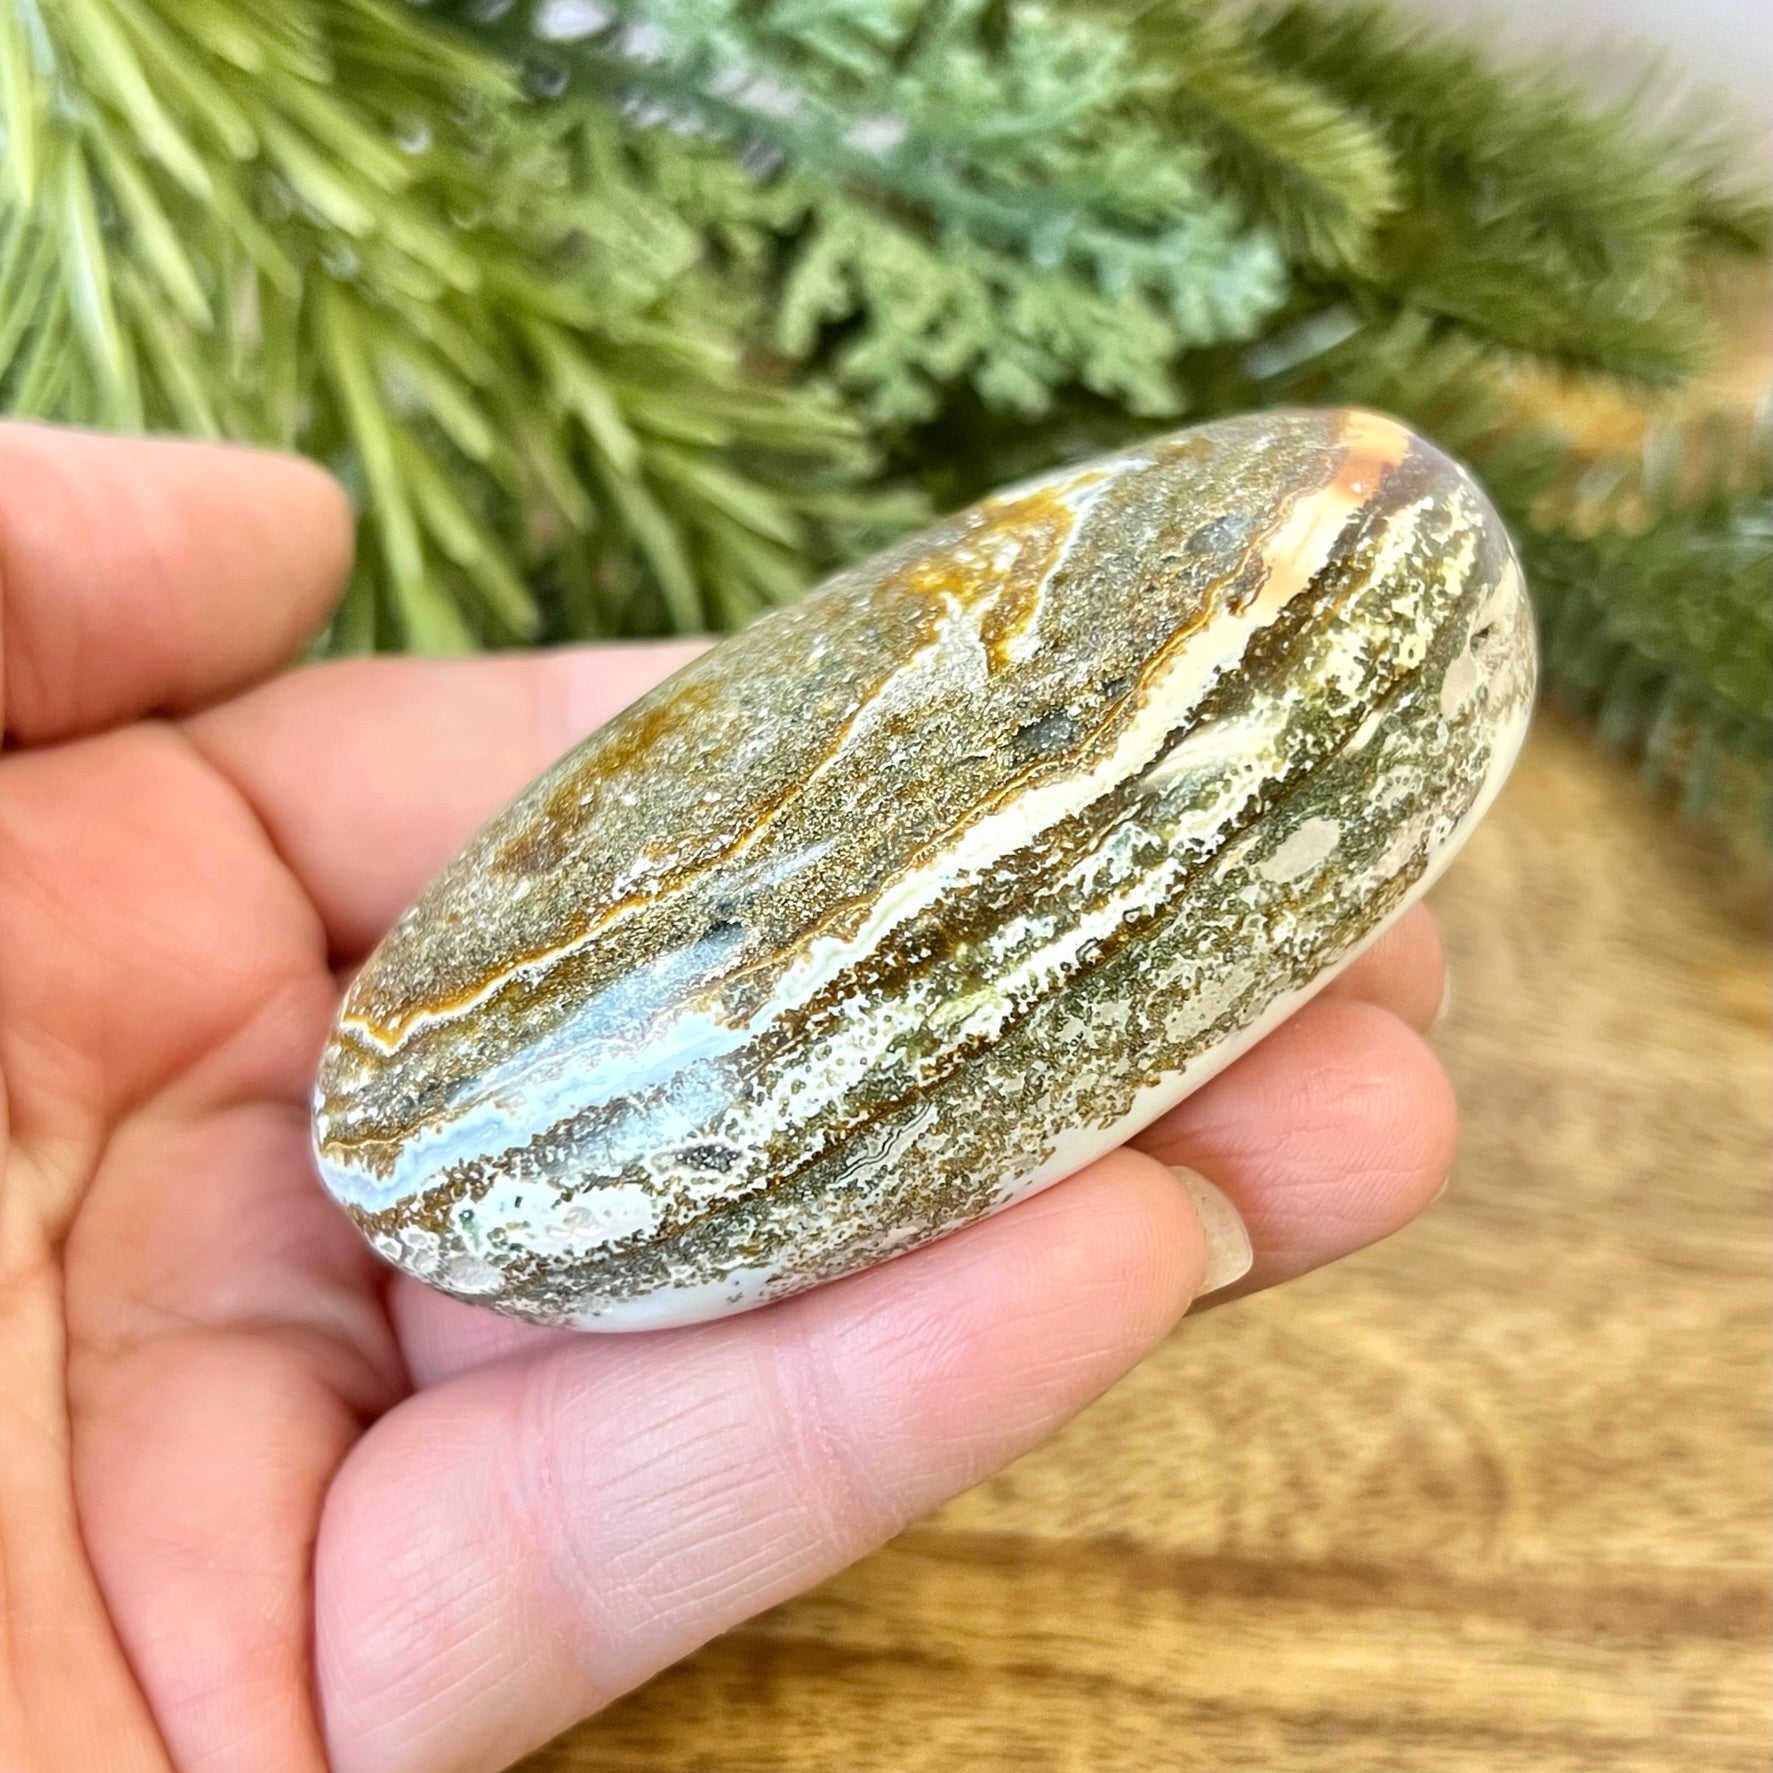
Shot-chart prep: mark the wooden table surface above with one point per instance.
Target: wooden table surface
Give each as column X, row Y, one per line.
column 1493, row 1498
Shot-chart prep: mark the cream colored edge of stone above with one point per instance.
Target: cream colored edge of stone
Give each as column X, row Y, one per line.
column 746, row 1289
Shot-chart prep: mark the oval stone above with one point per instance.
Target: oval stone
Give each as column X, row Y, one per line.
column 914, row 897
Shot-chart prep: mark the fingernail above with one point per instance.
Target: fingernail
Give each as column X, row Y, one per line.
column 1446, row 1003
column 1229, row 1255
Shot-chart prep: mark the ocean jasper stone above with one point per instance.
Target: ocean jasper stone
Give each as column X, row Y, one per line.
column 914, row 897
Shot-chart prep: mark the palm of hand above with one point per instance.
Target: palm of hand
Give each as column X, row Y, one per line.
column 262, row 1503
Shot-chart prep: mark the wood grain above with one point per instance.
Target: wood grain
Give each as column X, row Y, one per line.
column 1493, row 1497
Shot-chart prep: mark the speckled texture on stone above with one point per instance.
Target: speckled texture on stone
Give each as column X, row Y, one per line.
column 915, row 896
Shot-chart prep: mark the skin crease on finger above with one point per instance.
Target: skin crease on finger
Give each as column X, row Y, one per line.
column 262, row 1507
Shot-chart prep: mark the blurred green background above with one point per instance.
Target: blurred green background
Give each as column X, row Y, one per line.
column 627, row 318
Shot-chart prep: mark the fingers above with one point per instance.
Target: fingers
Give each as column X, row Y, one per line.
column 732, row 1465
column 1405, row 971
column 1329, row 1135
column 441, row 1337
column 370, row 774
column 139, row 575
column 512, row 1549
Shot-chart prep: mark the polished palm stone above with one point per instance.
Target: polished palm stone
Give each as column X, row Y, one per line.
column 914, row 897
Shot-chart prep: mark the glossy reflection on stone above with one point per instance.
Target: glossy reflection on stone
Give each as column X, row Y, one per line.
column 916, row 896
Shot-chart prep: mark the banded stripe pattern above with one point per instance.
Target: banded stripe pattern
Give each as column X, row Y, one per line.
column 912, row 898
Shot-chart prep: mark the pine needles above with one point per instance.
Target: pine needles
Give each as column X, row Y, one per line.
column 633, row 315
column 1527, row 217
column 323, row 225
column 1656, row 622
column 959, row 194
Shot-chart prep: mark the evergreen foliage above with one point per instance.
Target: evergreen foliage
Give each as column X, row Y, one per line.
column 630, row 315
column 324, row 224
column 960, row 194
column 1656, row 618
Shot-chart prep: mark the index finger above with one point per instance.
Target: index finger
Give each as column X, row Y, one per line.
column 145, row 576
column 371, row 773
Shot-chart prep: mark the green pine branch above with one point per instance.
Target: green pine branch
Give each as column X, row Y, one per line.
column 1656, row 623
column 323, row 225
column 1320, row 175
column 1528, row 216
column 1471, row 128
column 619, row 315
column 958, row 194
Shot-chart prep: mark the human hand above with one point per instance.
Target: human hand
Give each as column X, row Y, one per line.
column 264, row 1504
